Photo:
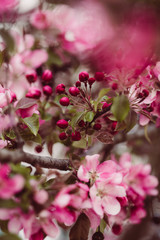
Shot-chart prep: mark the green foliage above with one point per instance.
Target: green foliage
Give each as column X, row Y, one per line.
column 75, row 119
column 120, row 107
column 32, row 123
column 7, row 203
column 101, row 96
column 8, row 39
column 89, row 116
column 27, row 135
column 9, row 236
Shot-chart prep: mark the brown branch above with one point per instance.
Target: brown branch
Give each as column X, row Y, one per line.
column 17, row 156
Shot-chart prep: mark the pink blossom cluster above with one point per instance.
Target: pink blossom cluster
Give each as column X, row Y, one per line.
column 111, row 189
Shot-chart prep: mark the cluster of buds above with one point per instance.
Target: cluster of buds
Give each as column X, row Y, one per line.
column 46, row 79
column 79, row 96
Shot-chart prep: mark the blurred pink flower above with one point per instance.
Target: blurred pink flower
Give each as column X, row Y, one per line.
column 6, row 5
column 9, row 185
column 41, row 19
column 83, row 27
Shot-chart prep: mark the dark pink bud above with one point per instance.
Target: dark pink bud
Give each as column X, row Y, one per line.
column 62, row 136
column 81, row 123
column 60, row 88
column 117, row 229
column 78, row 84
column 145, row 92
column 62, row 124
column 98, row 236
column 106, row 106
column 31, row 77
column 97, row 126
column 83, row 76
column 47, row 76
column 140, row 95
column 114, row 86
column 99, row 76
column 113, row 127
column 47, row 90
column 74, row 91
column 13, row 96
column 38, row 148
column 91, row 81
column 76, row 136
column 33, row 93
column 64, row 101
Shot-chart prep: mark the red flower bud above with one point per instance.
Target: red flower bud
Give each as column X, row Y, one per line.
column 98, row 236
column 83, row 76
column 99, row 76
column 38, row 148
column 78, row 84
column 60, row 88
column 145, row 92
column 114, row 86
column 47, row 90
column 97, row 126
column 31, row 77
column 74, row 91
column 91, row 81
column 76, row 136
column 81, row 123
column 33, row 93
column 62, row 124
column 113, row 127
column 106, row 106
column 47, row 76
column 62, row 136
column 64, row 101
column 117, row 229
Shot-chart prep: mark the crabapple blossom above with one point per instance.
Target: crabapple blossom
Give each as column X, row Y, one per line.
column 9, row 185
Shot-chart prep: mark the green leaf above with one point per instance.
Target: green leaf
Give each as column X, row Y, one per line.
column 1, row 57
column 25, row 103
column 8, row 39
column 7, row 203
column 101, row 96
column 102, row 225
column 54, row 59
column 76, row 118
column 120, row 107
column 146, row 133
column 80, row 229
column 102, row 93
column 9, row 237
column 80, row 144
column 32, row 123
column 130, row 120
column 89, row 116
column 27, row 135
column 105, row 137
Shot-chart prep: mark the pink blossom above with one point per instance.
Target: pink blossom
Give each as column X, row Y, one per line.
column 3, row 144
column 28, row 60
column 27, row 112
column 83, row 27
column 6, row 5
column 9, row 185
column 41, row 19
column 74, row 196
column 6, row 97
column 138, row 177
column 104, row 197
column 93, row 171
column 156, row 70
